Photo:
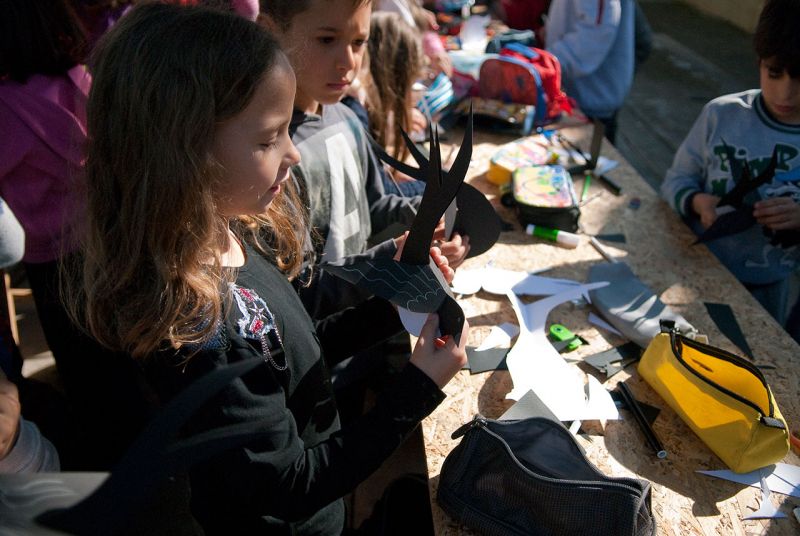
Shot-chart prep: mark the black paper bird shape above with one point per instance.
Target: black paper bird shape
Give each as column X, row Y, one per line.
column 152, row 458
column 475, row 217
column 415, row 282
column 740, row 218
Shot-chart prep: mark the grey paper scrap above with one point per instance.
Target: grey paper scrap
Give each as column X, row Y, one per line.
column 629, row 305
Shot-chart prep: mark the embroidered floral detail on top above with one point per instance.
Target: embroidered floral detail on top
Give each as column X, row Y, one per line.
column 257, row 322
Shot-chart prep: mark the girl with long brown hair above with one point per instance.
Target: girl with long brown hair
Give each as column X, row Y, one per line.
column 396, row 61
column 193, row 234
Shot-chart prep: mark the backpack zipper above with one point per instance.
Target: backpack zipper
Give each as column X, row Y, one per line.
column 724, row 356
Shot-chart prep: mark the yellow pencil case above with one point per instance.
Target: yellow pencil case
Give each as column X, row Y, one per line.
column 723, row 398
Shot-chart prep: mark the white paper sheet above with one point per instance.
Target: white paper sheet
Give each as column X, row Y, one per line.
column 412, row 321
column 500, row 281
column 535, row 365
column 766, row 510
column 467, row 281
column 499, row 336
column 781, row 478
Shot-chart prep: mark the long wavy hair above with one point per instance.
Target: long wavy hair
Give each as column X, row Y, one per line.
column 164, row 78
column 395, row 62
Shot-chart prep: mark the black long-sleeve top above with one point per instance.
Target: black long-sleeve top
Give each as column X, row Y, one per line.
column 291, row 480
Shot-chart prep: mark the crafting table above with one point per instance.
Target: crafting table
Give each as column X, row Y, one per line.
column 659, row 251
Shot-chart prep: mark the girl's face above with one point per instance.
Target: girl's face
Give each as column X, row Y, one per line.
column 781, row 93
column 326, row 44
column 254, row 147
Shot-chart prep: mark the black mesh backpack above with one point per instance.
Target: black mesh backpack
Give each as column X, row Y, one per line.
column 531, row 477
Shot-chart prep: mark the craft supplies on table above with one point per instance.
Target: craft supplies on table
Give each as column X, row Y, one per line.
column 530, row 151
column 545, row 195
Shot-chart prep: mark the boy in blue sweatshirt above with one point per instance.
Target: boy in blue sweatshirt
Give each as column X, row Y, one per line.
column 752, row 123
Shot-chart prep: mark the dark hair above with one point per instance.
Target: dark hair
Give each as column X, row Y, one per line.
column 777, row 36
column 165, row 77
column 39, row 37
column 283, row 11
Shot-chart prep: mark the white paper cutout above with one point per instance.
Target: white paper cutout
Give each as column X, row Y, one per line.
column 500, row 281
column 535, row 365
column 499, row 336
column 599, row 404
column 467, row 281
column 781, row 477
column 412, row 321
column 537, row 285
column 766, row 510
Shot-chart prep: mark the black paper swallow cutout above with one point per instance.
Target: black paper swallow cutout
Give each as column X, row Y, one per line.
column 415, row 282
column 475, row 217
column 741, row 217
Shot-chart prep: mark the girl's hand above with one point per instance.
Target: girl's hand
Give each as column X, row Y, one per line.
column 9, row 415
column 456, row 249
column 443, row 264
column 399, row 242
column 441, row 63
column 704, row 205
column 441, row 360
column 439, row 258
column 430, row 20
column 417, row 120
column 778, row 213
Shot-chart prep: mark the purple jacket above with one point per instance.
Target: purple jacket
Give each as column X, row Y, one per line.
column 42, row 152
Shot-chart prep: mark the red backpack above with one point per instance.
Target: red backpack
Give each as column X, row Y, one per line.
column 525, row 75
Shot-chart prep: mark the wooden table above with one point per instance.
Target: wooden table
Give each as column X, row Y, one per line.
column 658, row 250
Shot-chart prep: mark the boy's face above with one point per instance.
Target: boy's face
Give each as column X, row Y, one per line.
column 781, row 92
column 325, row 45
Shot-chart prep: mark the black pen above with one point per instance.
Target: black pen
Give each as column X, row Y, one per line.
column 638, row 414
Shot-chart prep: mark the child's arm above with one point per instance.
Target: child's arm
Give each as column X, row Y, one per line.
column 9, row 415
column 581, row 51
column 778, row 213
column 684, row 183
column 279, row 474
column 369, row 322
column 12, row 237
column 22, row 447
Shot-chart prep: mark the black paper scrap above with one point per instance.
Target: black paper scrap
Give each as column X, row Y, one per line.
column 728, row 224
column 486, row 360
column 742, row 217
column 650, row 412
column 612, row 237
column 528, row 406
column 615, row 359
column 723, row 317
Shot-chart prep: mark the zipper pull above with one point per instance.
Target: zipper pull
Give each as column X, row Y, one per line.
column 667, row 326
column 772, row 422
column 464, row 428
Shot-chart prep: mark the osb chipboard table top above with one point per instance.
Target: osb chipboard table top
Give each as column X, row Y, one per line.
column 658, row 250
